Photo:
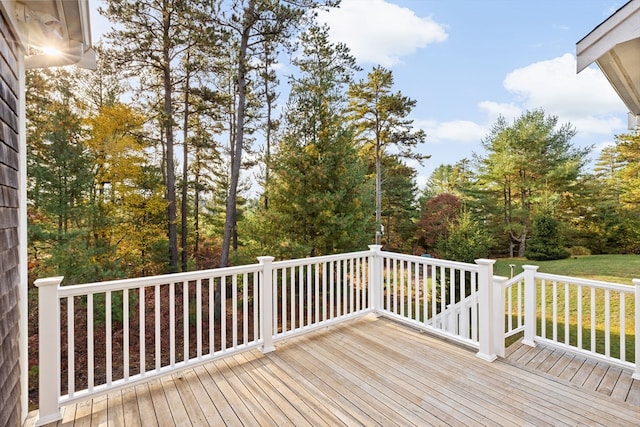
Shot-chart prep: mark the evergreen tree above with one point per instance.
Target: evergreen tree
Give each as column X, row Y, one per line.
column 399, row 206
column 382, row 121
column 448, row 179
column 531, row 156
column 149, row 43
column 545, row 242
column 318, row 189
column 253, row 21
column 607, row 215
column 59, row 168
column 466, row 240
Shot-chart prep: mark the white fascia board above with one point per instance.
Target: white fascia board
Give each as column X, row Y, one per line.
column 622, row 26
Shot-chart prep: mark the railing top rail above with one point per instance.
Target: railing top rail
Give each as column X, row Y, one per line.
column 586, row 282
column 121, row 284
column 318, row 259
column 432, row 261
column 508, row 282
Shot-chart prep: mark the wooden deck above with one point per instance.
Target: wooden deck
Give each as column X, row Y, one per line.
column 370, row 371
column 577, row 370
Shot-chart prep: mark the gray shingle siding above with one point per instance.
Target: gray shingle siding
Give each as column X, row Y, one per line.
column 10, row 411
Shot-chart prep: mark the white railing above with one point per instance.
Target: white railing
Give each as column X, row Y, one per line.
column 432, row 294
column 594, row 318
column 514, row 304
column 146, row 327
column 141, row 328
column 312, row 292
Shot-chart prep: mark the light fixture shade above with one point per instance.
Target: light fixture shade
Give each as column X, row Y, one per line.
column 59, row 24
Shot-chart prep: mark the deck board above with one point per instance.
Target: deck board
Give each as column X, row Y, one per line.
column 313, row 375
column 622, row 387
column 131, row 413
column 634, row 393
column 422, row 386
column 549, row 361
column 115, row 408
column 206, row 405
column 581, row 371
column 231, row 396
column 146, row 394
column 585, row 371
column 373, row 372
column 215, row 395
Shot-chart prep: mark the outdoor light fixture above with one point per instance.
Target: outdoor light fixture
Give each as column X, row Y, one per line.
column 58, row 30
column 50, row 27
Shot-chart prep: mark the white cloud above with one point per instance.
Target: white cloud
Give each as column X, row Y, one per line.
column 378, row 32
column 594, row 125
column 587, row 100
column 493, row 109
column 452, row 131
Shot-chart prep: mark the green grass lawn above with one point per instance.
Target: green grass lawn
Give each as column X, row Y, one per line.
column 608, row 268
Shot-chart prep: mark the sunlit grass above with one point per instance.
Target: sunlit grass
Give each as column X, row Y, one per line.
column 610, row 268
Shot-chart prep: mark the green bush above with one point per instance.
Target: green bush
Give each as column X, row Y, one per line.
column 544, row 243
column 579, row 251
column 467, row 240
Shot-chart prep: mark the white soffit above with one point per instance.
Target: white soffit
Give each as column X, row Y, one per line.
column 615, row 46
column 63, row 24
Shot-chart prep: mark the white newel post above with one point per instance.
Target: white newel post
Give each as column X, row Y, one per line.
column 486, row 310
column 266, row 304
column 636, row 373
column 375, row 278
column 49, row 350
column 498, row 315
column 530, row 305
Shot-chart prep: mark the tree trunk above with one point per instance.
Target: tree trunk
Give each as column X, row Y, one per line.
column 196, row 221
column 185, row 175
column 236, row 158
column 522, row 247
column 378, row 191
column 168, row 126
column 236, row 152
column 269, row 100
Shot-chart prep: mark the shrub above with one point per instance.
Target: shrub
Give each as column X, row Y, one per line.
column 579, row 251
column 467, row 240
column 544, row 243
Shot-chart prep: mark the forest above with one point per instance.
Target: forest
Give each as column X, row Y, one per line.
column 187, row 149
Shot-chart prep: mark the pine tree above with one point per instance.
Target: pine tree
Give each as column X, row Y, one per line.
column 523, row 160
column 253, row 21
column 382, row 121
column 545, row 242
column 60, row 174
column 399, row 206
column 149, row 41
column 318, row 192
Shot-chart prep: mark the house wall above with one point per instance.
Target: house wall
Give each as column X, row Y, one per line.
column 10, row 393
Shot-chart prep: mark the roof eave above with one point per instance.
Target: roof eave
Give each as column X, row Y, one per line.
column 71, row 33
column 622, row 26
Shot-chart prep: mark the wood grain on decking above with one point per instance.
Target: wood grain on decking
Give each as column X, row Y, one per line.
column 589, row 374
column 373, row 372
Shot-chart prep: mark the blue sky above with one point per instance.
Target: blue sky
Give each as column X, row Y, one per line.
column 466, row 62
